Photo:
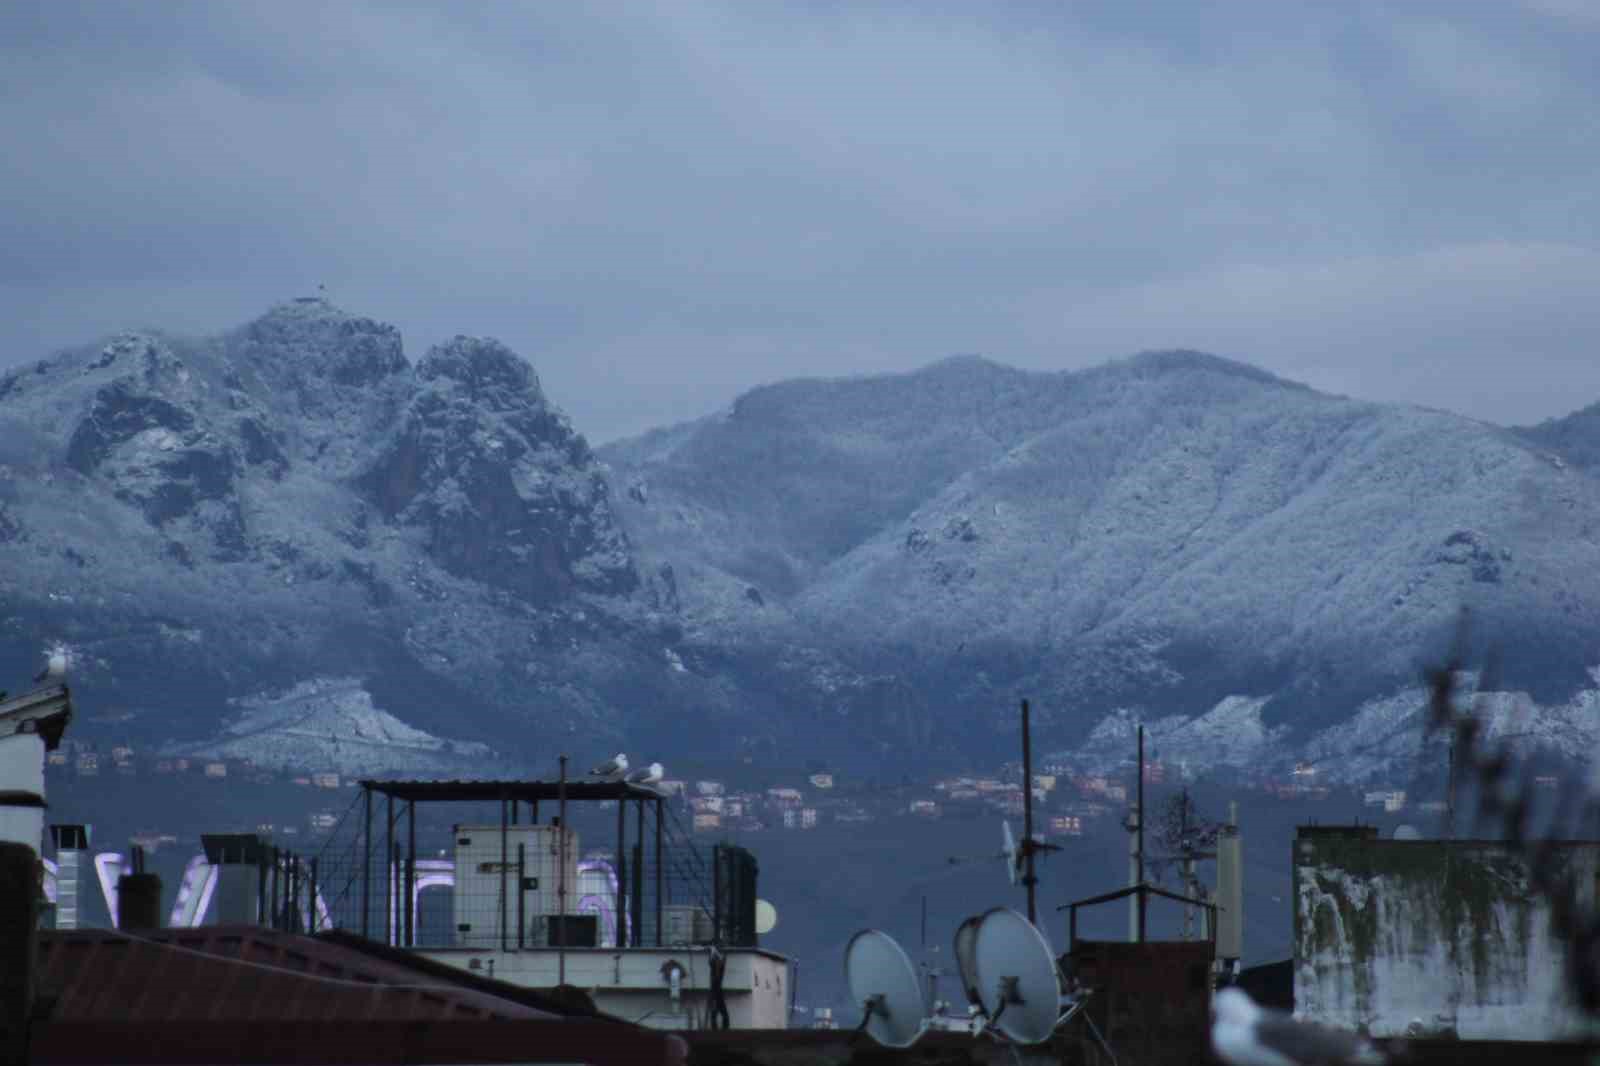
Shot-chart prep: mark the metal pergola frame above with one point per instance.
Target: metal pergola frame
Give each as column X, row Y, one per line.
column 1143, row 890
column 511, row 795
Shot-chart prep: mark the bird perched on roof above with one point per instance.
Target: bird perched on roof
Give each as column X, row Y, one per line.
column 55, row 667
column 614, row 770
column 646, row 777
column 1245, row 1034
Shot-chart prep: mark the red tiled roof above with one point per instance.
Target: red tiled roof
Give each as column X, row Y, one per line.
column 240, row 973
column 246, row 994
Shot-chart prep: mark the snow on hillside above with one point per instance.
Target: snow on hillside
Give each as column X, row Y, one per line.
column 333, row 724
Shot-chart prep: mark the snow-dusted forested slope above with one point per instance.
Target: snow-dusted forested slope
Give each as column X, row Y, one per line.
column 289, row 540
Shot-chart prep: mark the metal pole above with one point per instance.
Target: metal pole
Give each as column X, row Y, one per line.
column 522, row 895
column 275, row 909
column 1027, row 812
column 388, row 870
column 637, row 901
column 658, row 874
column 1143, row 896
column 411, row 873
column 716, row 893
column 505, row 864
column 622, row 874
column 561, row 876
column 262, row 904
column 366, row 867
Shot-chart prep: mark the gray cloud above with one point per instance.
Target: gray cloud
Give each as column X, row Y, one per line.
column 662, row 205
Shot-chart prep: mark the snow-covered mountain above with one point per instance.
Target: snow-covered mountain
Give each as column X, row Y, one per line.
column 289, row 542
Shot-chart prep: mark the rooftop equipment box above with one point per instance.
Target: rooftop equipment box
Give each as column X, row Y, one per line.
column 526, row 871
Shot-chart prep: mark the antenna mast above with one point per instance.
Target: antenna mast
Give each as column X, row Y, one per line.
column 1027, row 812
column 1139, row 826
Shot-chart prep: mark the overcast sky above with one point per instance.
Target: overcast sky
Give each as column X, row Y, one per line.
column 663, row 204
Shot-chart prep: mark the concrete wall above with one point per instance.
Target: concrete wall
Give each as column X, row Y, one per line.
column 1387, row 932
column 628, row 984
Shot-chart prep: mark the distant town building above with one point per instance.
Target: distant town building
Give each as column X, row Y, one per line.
column 216, row 769
column 707, row 822
column 808, row 817
column 785, row 797
column 56, row 758
column 324, row 820
column 121, row 753
column 1044, row 782
column 926, row 808
column 325, row 780
column 706, row 804
column 708, row 788
column 791, row 818
column 1068, row 824
column 821, row 780
column 733, row 808
column 88, row 764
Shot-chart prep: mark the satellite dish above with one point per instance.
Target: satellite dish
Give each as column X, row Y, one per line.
column 1017, row 977
column 1010, row 852
column 883, row 981
column 766, row 917
column 967, row 959
column 1406, row 832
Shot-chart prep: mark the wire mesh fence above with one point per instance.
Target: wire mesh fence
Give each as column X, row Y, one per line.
column 507, row 866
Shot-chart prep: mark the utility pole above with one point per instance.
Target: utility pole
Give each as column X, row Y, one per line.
column 561, row 876
column 1139, row 829
column 1027, row 814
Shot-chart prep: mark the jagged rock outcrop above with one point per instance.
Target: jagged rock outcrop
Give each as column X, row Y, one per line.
column 504, row 489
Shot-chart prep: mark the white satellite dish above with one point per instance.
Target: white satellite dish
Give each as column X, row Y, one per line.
column 1017, row 977
column 1009, row 851
column 882, row 980
column 967, row 959
column 1406, row 832
column 766, row 917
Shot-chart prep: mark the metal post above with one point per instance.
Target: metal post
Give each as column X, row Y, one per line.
column 534, row 819
column 262, row 905
column 411, row 872
column 638, row 874
column 658, row 874
column 366, row 867
column 388, row 870
column 716, row 893
column 561, row 876
column 1143, row 896
column 505, row 868
column 622, row 874
column 1027, row 813
column 276, row 909
column 522, row 894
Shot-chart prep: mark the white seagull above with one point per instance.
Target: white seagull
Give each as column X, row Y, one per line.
column 55, row 667
column 1245, row 1034
column 648, row 776
column 613, row 770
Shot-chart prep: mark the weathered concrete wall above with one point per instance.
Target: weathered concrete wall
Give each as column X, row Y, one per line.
column 1387, row 932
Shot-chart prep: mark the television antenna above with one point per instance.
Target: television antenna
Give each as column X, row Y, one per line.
column 882, row 979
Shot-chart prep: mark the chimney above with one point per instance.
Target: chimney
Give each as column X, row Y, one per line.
column 1230, row 890
column 19, row 946
column 71, row 842
column 238, row 859
column 138, row 897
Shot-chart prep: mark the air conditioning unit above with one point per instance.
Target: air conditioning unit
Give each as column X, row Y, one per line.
column 686, row 924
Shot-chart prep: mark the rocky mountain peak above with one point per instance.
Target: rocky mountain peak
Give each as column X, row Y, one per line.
column 485, row 371
column 311, row 342
column 505, row 490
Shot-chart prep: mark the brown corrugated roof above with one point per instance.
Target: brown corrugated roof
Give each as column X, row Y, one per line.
column 240, row 973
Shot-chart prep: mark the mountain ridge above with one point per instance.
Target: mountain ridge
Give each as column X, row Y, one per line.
column 854, row 569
